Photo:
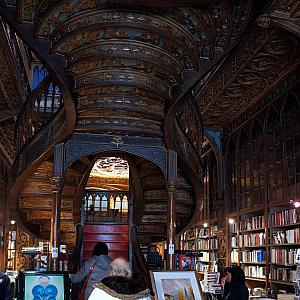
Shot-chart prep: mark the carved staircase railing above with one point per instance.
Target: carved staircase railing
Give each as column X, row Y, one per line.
column 15, row 48
column 44, row 102
column 186, row 139
column 189, row 120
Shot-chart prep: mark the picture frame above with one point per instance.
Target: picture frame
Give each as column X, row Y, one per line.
column 176, row 285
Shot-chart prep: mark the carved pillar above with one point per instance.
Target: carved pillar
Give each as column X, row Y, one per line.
column 57, row 187
column 171, row 225
column 171, row 218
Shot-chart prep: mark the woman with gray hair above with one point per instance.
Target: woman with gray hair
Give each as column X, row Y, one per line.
column 120, row 284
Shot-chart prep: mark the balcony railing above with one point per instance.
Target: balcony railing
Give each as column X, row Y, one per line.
column 106, row 206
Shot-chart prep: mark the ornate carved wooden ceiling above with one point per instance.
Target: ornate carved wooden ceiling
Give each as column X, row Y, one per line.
column 109, row 173
column 265, row 55
column 135, row 51
column 128, row 57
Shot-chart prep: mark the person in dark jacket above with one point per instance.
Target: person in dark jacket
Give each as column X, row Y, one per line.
column 101, row 262
column 5, row 292
column 235, row 287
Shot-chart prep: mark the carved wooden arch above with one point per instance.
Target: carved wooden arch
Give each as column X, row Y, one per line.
column 76, row 150
column 267, row 115
column 285, row 101
column 242, row 132
column 231, row 141
column 84, row 179
column 255, row 121
column 218, row 156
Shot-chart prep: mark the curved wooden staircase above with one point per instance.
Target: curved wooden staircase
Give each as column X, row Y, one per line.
column 131, row 71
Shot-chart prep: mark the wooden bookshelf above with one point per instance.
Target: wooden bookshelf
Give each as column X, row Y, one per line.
column 201, row 239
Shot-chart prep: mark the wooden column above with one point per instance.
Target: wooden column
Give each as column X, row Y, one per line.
column 171, row 218
column 57, row 187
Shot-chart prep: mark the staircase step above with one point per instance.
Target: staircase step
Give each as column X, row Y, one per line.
column 115, row 236
column 154, row 219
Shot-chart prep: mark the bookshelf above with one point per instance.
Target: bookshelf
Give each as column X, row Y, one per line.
column 200, row 245
column 264, row 243
column 253, row 244
column 284, row 223
column 233, row 238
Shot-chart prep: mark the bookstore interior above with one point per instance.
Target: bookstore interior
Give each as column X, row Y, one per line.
column 168, row 129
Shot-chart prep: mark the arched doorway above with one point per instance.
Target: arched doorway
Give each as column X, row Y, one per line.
column 104, row 210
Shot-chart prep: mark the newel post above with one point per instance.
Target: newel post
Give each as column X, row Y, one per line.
column 57, row 187
column 171, row 218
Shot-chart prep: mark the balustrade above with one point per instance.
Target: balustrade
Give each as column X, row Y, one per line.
column 37, row 111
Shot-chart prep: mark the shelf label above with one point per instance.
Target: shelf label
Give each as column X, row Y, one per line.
column 171, row 248
column 54, row 252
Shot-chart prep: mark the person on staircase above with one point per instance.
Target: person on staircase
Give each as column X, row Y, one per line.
column 120, row 284
column 94, row 269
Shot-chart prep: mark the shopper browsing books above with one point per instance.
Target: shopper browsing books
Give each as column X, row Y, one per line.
column 235, row 288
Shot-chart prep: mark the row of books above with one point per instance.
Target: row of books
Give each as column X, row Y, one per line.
column 283, row 256
column 233, row 227
column 234, row 256
column 188, row 245
column 189, row 234
column 204, row 258
column 287, row 237
column 251, row 223
column 255, row 271
column 213, row 243
column 253, row 255
column 282, row 274
column 254, row 239
column 284, row 217
column 202, row 244
column 234, row 241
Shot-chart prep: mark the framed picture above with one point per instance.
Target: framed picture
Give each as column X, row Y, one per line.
column 176, row 285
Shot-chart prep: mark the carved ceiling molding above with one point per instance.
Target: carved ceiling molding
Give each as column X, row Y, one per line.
column 283, row 14
column 264, row 58
column 278, row 90
column 26, row 9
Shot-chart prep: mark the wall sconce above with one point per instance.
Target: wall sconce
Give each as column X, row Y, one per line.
column 295, row 203
column 12, row 222
column 205, row 225
column 231, row 221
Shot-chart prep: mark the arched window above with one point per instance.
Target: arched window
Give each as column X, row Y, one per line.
column 125, row 204
column 274, row 156
column 104, row 203
column 97, row 203
column 291, row 129
column 118, row 203
column 36, row 76
column 257, row 182
column 244, row 172
column 232, row 176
